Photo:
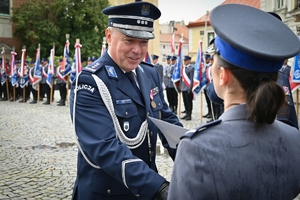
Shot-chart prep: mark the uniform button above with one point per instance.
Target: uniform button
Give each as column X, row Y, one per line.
column 151, row 133
column 108, row 191
column 137, row 195
column 126, row 113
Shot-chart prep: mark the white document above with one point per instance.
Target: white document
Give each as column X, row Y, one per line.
column 171, row 132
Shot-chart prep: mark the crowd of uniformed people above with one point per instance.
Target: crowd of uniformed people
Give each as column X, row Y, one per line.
column 25, row 88
column 244, row 153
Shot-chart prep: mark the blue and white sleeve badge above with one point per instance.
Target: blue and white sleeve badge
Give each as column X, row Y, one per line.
column 111, row 71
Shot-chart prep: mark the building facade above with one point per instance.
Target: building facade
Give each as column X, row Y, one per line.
column 166, row 33
column 288, row 10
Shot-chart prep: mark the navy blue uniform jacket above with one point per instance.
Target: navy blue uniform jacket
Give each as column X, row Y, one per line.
column 125, row 173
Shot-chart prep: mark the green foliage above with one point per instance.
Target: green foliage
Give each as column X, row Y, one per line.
column 42, row 22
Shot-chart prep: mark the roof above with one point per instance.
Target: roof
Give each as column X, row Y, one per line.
column 182, row 31
column 201, row 20
column 166, row 38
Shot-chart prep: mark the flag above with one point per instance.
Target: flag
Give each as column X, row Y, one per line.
column 295, row 74
column 37, row 73
column 76, row 67
column 173, row 44
column 50, row 68
column 65, row 68
column 177, row 69
column 23, row 57
column 199, row 72
column 13, row 70
column 147, row 58
column 4, row 70
column 23, row 70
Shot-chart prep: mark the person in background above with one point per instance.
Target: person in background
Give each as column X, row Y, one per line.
column 207, row 66
column 187, row 86
column 62, row 85
column 166, row 79
column 159, row 68
column 110, row 103
column 247, row 153
column 32, row 89
column 286, row 69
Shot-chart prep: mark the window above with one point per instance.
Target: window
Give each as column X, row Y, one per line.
column 279, row 4
column 4, row 7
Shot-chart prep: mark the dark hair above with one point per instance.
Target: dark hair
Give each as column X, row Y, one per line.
column 264, row 97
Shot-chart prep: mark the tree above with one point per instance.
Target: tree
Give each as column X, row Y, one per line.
column 39, row 21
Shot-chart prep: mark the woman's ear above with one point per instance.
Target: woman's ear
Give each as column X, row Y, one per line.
column 224, row 75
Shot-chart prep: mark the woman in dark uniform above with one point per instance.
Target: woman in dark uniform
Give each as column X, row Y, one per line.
column 246, row 154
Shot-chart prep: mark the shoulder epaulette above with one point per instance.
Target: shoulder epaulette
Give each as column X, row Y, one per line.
column 148, row 64
column 191, row 134
column 95, row 66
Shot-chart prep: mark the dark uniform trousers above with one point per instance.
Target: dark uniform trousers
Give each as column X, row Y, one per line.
column 187, row 100
column 62, row 91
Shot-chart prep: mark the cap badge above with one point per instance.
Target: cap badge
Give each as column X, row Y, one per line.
column 145, row 10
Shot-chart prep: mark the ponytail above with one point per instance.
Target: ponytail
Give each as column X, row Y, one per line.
column 264, row 97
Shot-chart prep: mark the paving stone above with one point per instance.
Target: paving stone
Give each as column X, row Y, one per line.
column 38, row 158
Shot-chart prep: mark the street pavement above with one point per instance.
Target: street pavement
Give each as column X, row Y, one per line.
column 38, row 154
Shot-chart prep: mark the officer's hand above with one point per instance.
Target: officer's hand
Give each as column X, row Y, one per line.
column 162, row 193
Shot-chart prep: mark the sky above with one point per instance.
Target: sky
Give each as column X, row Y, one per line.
column 187, row 10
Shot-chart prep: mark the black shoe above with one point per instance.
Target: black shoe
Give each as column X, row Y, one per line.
column 46, row 103
column 209, row 116
column 33, row 102
column 58, row 101
column 183, row 111
column 206, row 115
column 4, row 99
column 184, row 117
column 61, row 104
column 188, row 118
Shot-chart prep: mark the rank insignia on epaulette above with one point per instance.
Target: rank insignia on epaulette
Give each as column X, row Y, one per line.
column 111, row 71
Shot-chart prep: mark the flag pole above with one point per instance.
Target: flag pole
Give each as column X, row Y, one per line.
column 23, row 71
column 6, row 71
column 67, row 83
column 297, row 102
column 39, row 86
column 52, row 81
column 180, row 82
column 14, row 88
column 201, row 93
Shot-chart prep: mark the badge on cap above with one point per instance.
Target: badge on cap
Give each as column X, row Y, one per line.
column 111, row 71
column 145, row 10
